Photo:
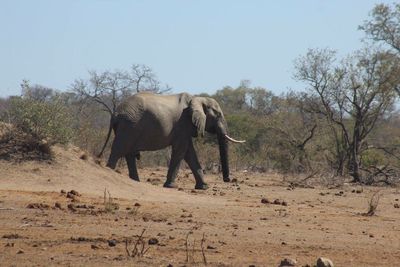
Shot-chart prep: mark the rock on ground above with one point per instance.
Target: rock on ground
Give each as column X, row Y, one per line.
column 324, row 262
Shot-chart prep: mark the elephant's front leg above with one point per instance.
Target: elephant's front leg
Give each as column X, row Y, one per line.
column 194, row 164
column 178, row 152
column 131, row 161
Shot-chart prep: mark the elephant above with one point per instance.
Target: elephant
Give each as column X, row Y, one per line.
column 148, row 122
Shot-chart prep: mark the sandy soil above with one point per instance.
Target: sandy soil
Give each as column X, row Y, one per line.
column 227, row 225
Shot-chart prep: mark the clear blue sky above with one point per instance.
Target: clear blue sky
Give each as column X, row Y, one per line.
column 194, row 46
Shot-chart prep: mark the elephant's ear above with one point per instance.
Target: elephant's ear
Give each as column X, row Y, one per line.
column 198, row 115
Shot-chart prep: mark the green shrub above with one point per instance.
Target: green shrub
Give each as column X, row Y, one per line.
column 372, row 158
column 47, row 120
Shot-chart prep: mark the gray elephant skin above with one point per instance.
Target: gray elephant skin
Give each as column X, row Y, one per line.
column 148, row 122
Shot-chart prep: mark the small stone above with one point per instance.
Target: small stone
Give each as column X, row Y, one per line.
column 137, row 204
column 153, row 241
column 57, row 205
column 71, row 207
column 396, row 205
column 81, row 239
column 74, row 192
column 234, row 180
column 11, row 236
column 20, row 251
column 94, row 246
column 324, row 262
column 210, row 247
column 63, row 191
column 70, row 195
column 284, row 203
column 277, row 202
column 40, row 206
column 359, row 191
column 112, row 242
column 287, row 262
column 119, row 258
column 265, row 201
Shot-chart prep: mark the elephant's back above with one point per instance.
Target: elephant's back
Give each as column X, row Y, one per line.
column 131, row 109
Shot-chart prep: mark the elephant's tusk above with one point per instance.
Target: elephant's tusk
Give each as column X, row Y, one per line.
column 233, row 140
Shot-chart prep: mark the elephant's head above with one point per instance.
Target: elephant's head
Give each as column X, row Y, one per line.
column 207, row 116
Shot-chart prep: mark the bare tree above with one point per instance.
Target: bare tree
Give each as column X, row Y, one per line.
column 109, row 88
column 351, row 95
column 384, row 25
column 37, row 92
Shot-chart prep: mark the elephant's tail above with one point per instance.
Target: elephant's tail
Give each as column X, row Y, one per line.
column 112, row 121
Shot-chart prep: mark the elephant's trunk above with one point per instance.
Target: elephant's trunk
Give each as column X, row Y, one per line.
column 223, row 153
column 223, row 149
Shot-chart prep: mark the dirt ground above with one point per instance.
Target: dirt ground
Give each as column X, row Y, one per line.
column 43, row 223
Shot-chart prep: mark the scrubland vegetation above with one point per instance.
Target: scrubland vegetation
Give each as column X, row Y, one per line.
column 344, row 124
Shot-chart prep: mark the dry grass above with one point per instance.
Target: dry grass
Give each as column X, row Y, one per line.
column 109, row 204
column 373, row 203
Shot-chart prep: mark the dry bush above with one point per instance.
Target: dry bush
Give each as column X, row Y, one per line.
column 17, row 145
column 190, row 252
column 139, row 248
column 42, row 120
column 373, row 203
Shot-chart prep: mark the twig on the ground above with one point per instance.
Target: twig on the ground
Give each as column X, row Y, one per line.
column 202, row 249
column 137, row 251
column 187, row 247
column 7, row 209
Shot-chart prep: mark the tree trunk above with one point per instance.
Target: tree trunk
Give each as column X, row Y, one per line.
column 355, row 155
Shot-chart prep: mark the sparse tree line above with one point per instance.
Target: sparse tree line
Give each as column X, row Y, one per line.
column 344, row 123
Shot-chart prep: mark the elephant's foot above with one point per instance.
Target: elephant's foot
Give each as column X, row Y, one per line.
column 170, row 185
column 111, row 165
column 227, row 179
column 202, row 186
column 135, row 179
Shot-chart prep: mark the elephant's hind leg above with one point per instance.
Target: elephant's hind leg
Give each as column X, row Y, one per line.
column 122, row 144
column 131, row 161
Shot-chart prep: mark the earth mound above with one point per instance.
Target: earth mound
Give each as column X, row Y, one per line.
column 17, row 145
